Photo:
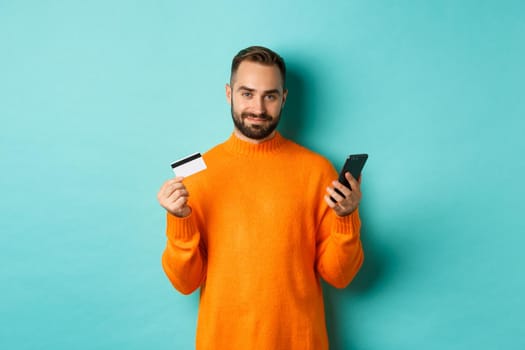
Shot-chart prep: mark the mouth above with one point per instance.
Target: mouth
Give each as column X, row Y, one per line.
column 257, row 118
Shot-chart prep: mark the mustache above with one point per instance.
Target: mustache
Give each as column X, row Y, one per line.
column 262, row 116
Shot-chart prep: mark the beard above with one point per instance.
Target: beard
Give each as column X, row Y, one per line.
column 257, row 131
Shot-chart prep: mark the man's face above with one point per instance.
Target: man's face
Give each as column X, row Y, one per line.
column 256, row 96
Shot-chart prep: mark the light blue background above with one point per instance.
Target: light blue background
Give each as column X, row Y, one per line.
column 98, row 97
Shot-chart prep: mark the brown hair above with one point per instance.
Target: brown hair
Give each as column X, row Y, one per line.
column 260, row 55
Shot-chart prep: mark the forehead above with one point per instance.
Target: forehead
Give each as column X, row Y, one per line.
column 258, row 76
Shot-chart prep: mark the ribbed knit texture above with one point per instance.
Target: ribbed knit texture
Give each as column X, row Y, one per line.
column 258, row 240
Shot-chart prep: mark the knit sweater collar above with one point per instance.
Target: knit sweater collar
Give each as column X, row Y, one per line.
column 238, row 146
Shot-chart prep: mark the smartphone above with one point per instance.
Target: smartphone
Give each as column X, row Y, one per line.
column 354, row 164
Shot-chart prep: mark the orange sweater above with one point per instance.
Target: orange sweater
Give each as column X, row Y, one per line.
column 257, row 241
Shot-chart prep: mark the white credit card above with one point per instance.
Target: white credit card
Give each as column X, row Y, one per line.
column 188, row 165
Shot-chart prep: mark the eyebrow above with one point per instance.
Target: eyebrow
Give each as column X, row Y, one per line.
column 272, row 91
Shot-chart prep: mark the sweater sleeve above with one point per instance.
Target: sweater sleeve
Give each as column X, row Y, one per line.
column 339, row 251
column 183, row 259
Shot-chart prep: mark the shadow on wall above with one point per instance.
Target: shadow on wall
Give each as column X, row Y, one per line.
column 301, row 84
column 294, row 113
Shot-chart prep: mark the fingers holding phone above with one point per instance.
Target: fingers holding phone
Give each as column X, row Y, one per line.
column 344, row 200
column 345, row 195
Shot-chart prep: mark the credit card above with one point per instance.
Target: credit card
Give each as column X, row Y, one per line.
column 188, row 165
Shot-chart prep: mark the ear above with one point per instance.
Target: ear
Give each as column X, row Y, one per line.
column 228, row 93
column 285, row 95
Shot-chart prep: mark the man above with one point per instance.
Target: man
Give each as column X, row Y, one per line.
column 261, row 225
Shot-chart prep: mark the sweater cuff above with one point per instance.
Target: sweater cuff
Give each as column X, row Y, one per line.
column 181, row 229
column 347, row 225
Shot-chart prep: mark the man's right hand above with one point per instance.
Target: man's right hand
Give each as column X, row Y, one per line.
column 173, row 197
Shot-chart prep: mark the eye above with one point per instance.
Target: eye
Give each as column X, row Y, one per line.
column 246, row 94
column 271, row 97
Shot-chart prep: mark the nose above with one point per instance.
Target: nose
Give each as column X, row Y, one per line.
column 259, row 106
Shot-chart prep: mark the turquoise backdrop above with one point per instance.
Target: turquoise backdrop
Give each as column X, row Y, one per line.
column 98, row 97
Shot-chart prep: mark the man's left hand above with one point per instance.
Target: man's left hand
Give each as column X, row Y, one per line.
column 348, row 202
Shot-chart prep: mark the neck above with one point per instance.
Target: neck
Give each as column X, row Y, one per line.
column 243, row 137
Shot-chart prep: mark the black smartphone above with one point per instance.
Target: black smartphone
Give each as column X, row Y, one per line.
column 354, row 164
